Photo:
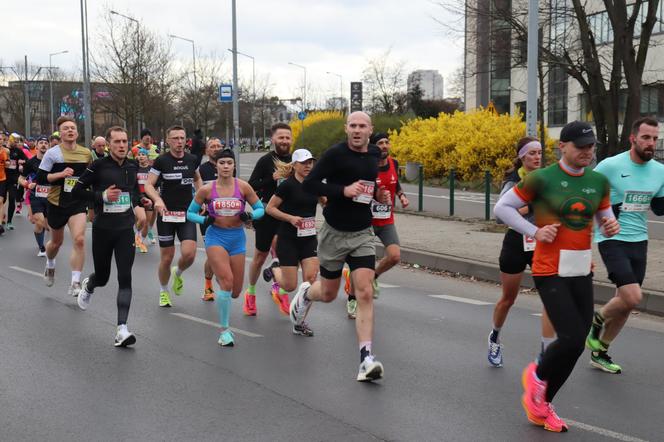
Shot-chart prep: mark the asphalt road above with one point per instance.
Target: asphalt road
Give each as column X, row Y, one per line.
column 62, row 379
column 436, row 200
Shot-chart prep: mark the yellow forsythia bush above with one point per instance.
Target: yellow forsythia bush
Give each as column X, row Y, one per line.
column 470, row 142
column 313, row 118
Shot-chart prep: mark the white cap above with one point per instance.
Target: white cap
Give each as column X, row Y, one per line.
column 302, row 155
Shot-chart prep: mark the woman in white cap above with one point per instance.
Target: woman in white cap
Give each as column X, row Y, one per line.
column 296, row 238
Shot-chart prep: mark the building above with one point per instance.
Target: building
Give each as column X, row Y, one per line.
column 429, row 81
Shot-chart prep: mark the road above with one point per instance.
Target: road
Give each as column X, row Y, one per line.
column 64, row 380
column 437, row 200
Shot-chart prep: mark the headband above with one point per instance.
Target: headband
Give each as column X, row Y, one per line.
column 530, row 145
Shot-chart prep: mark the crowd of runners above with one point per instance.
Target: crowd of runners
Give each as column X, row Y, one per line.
column 553, row 214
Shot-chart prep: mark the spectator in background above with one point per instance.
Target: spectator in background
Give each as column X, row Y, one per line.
column 99, row 148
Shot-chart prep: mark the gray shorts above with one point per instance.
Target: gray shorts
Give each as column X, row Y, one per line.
column 336, row 248
column 387, row 234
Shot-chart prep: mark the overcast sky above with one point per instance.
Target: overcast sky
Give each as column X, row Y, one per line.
column 323, row 35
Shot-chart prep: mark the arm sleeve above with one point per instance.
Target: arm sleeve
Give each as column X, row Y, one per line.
column 193, row 214
column 258, row 210
column 507, row 210
column 657, row 206
column 82, row 188
column 313, row 183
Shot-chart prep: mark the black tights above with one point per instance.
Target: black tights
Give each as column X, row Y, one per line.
column 105, row 243
column 569, row 304
column 12, row 198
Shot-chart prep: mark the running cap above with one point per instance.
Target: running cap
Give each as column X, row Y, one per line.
column 375, row 138
column 42, row 138
column 579, row 133
column 302, row 155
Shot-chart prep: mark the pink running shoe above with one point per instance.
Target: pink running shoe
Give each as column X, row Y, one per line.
column 533, row 399
column 553, row 422
column 281, row 300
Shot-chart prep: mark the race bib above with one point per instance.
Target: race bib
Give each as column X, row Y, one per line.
column 380, row 210
column 227, row 206
column 142, row 178
column 120, row 206
column 70, row 182
column 528, row 243
column 635, row 201
column 12, row 164
column 574, row 263
column 187, row 181
column 367, row 191
column 173, row 217
column 42, row 191
column 307, row 227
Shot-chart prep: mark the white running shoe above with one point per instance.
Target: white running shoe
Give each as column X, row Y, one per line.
column 370, row 370
column 74, row 289
column 84, row 296
column 41, row 253
column 299, row 305
column 124, row 337
column 49, row 277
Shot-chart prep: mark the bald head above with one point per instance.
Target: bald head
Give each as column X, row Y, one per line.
column 358, row 115
column 99, row 144
column 358, row 129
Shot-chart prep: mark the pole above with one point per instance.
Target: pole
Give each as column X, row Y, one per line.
column 531, row 102
column 86, row 74
column 50, row 93
column 487, row 195
column 253, row 103
column 26, row 100
column 452, row 179
column 420, row 198
column 236, row 105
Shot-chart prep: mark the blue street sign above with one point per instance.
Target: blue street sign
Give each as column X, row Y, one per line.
column 225, row 93
column 302, row 115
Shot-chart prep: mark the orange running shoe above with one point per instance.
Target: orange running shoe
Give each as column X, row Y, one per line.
column 534, row 396
column 139, row 244
column 347, row 284
column 208, row 295
column 249, row 305
column 281, row 300
column 553, row 422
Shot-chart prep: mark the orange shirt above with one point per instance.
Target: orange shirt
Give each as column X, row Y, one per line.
column 4, row 156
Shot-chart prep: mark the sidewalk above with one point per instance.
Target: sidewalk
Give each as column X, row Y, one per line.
column 472, row 248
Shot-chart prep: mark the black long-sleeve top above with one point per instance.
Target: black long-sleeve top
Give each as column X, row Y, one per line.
column 98, row 177
column 261, row 177
column 341, row 166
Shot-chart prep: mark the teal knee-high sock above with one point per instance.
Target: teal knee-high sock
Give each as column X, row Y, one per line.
column 224, row 306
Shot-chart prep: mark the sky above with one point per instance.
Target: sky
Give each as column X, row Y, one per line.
column 337, row 36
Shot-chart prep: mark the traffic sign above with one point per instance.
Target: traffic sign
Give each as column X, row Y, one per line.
column 355, row 96
column 225, row 93
column 301, row 115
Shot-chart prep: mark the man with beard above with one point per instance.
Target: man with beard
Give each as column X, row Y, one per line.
column 637, row 184
column 264, row 181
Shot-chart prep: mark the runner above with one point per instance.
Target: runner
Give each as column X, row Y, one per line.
column 296, row 237
column 636, row 183
column 99, row 148
column 60, row 169
column 141, row 237
column 17, row 158
column 382, row 220
column 564, row 197
column 516, row 253
column 36, row 194
column 225, row 242
column 350, row 170
column 176, row 173
column 147, row 144
column 208, row 173
column 264, row 180
column 111, row 184
column 54, row 139
column 4, row 162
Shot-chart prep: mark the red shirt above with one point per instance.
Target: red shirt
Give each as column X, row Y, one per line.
column 382, row 214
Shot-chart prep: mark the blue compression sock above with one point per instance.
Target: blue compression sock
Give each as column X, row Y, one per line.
column 40, row 239
column 224, row 306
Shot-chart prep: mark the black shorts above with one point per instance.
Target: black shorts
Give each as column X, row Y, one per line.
column 625, row 261
column 38, row 205
column 3, row 190
column 266, row 228
column 291, row 249
column 167, row 231
column 59, row 216
column 513, row 259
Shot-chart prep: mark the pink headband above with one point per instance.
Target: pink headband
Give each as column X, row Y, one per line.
column 531, row 145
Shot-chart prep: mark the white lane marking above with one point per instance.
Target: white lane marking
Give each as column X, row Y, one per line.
column 387, row 286
column 216, row 325
column 603, row 431
column 458, row 299
column 29, row 272
column 536, row 314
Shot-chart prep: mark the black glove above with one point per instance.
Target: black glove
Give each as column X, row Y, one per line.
column 616, row 209
column 209, row 220
column 245, row 216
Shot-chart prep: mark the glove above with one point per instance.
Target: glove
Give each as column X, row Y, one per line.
column 616, row 209
column 245, row 216
column 209, row 220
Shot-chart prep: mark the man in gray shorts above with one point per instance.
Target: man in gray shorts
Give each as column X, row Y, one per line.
column 346, row 174
column 382, row 220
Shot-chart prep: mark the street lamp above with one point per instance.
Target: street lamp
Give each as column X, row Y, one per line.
column 193, row 52
column 26, row 91
column 138, row 60
column 50, row 86
column 304, row 96
column 341, row 89
column 253, row 104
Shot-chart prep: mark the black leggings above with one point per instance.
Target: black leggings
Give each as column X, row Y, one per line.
column 569, row 304
column 12, row 197
column 105, row 243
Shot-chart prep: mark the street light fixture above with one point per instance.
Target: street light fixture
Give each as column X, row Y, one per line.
column 193, row 52
column 50, row 86
column 304, row 92
column 253, row 105
column 341, row 88
column 138, row 59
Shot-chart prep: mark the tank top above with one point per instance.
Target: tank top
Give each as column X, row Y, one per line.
column 382, row 214
column 225, row 206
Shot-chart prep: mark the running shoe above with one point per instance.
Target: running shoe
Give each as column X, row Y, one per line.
column 208, row 295
column 347, row 284
column 601, row 360
column 553, row 422
column 84, row 296
column 151, row 237
column 2, row 230
column 533, row 399
column 178, row 282
column 303, row 329
column 268, row 274
column 249, row 305
column 300, row 305
column 593, row 342
column 10, row 226
column 142, row 248
column 370, row 370
column 19, row 207
column 49, row 277
column 226, row 338
column 376, row 289
column 124, row 337
column 351, row 308
column 74, row 289
column 281, row 300
column 41, row 253
column 495, row 353
column 164, row 299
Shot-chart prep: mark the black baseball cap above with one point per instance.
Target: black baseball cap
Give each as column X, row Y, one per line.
column 579, row 133
column 375, row 138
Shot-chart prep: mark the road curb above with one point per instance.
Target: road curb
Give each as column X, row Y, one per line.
column 652, row 302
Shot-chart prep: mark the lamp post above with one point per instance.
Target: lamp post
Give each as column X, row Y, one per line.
column 253, row 102
column 236, row 104
column 304, row 96
column 193, row 53
column 50, row 86
column 138, row 63
column 341, row 89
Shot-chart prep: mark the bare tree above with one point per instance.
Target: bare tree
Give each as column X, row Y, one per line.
column 385, row 82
